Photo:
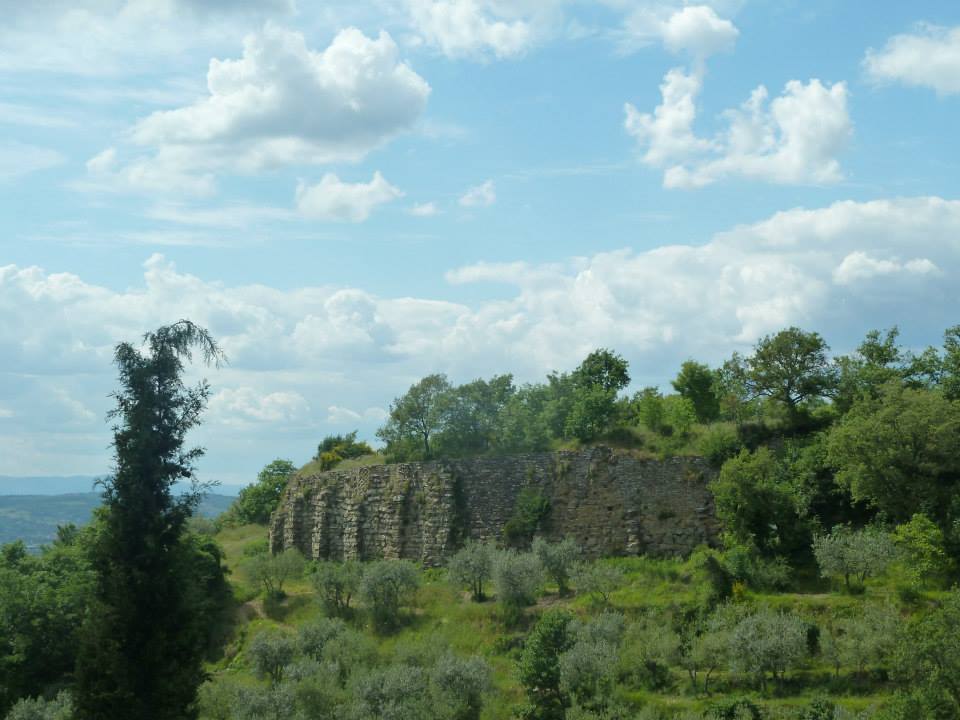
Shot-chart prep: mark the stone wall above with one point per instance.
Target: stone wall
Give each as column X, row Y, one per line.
column 610, row 503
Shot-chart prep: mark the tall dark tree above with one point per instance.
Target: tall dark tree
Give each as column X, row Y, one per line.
column 143, row 639
column 696, row 382
column 416, row 417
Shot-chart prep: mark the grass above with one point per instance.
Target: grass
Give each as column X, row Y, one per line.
column 443, row 617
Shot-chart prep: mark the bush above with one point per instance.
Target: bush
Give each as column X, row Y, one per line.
column 517, row 578
column 719, row 443
column 256, row 502
column 859, row 554
column 650, row 648
column 393, row 693
column 557, row 560
column 747, row 565
column 336, row 584
column 471, row 566
column 530, row 514
column 539, row 666
column 314, row 637
column 388, row 585
column 922, row 545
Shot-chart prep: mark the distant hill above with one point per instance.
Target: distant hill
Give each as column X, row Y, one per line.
column 34, row 518
column 71, row 484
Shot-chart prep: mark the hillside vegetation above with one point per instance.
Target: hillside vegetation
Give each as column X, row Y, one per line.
column 832, row 596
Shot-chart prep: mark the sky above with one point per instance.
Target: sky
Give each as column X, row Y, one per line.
column 351, row 195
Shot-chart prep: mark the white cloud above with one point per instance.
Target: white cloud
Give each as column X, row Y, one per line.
column 841, row 270
column 332, row 199
column 342, row 416
column 698, row 29
column 280, row 104
column 235, row 406
column 470, row 28
column 427, row 209
column 861, row 266
column 6, row 413
column 930, row 57
column 14, row 114
column 18, row 159
column 230, row 216
column 792, row 140
column 483, row 195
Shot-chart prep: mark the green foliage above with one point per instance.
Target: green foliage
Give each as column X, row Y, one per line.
column 557, row 560
column 650, row 647
column 415, row 418
column 59, row 708
column 517, row 578
column 334, row 449
column 697, row 383
column 597, row 581
column 336, row 583
column 866, row 638
column 923, row 548
column 462, row 684
column 143, row 640
column 767, row 642
column 386, row 587
column 273, row 571
column 531, row 511
column 857, row 554
column 471, row 567
column 257, row 502
column 898, row 453
column 650, row 409
column 719, row 443
column 791, row 368
column 271, row 653
column 540, row 669
column 757, row 507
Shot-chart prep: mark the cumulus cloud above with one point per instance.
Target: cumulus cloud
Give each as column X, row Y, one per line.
column 279, row 104
column 342, row 416
column 696, row 30
column 470, row 28
column 18, row 159
column 333, row 199
column 929, row 57
column 297, row 353
column 483, row 195
column 793, row 139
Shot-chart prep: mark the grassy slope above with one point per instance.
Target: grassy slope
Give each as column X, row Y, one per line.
column 445, row 617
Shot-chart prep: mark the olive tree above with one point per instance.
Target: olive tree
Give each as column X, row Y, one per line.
column 517, row 578
column 272, row 571
column 767, row 641
column 271, row 653
column 386, row 587
column 854, row 553
column 557, row 560
column 471, row 567
column 336, row 583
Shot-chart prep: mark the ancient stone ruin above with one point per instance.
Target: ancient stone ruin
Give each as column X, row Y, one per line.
column 611, row 503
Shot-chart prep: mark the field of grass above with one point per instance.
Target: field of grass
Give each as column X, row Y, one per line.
column 443, row 617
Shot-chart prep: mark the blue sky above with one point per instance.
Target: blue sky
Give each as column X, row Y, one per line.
column 353, row 197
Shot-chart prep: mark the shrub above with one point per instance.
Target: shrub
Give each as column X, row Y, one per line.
column 650, row 648
column 314, row 637
column 539, row 666
column 747, row 565
column 59, row 708
column 868, row 637
column 588, row 673
column 393, row 693
column 387, row 585
column 471, row 566
column 922, row 545
column 557, row 560
column 854, row 553
column 336, row 584
column 517, row 578
column 530, row 514
column 719, row 443
column 256, row 502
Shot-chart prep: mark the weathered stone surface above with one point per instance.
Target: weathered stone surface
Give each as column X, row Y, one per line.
column 610, row 503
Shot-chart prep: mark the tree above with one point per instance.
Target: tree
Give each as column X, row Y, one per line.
column 848, row 553
column 256, row 502
column 922, row 544
column 928, row 657
column 462, row 683
column 387, row 586
column 415, row 417
column 791, row 368
column 557, row 560
column 142, row 642
column 540, row 665
column 650, row 409
column 696, row 383
column 898, row 453
column 598, row 581
column 768, row 642
column 271, row 653
column 517, row 578
column 602, row 368
column 336, row 583
column 868, row 637
column 334, row 449
column 594, row 385
column 471, row 566
column 877, row 361
column 272, row 571
column 471, row 416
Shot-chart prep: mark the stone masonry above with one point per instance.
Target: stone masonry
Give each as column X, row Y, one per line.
column 611, row 503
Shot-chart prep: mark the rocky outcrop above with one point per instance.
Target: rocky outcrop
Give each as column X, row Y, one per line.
column 611, row 503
